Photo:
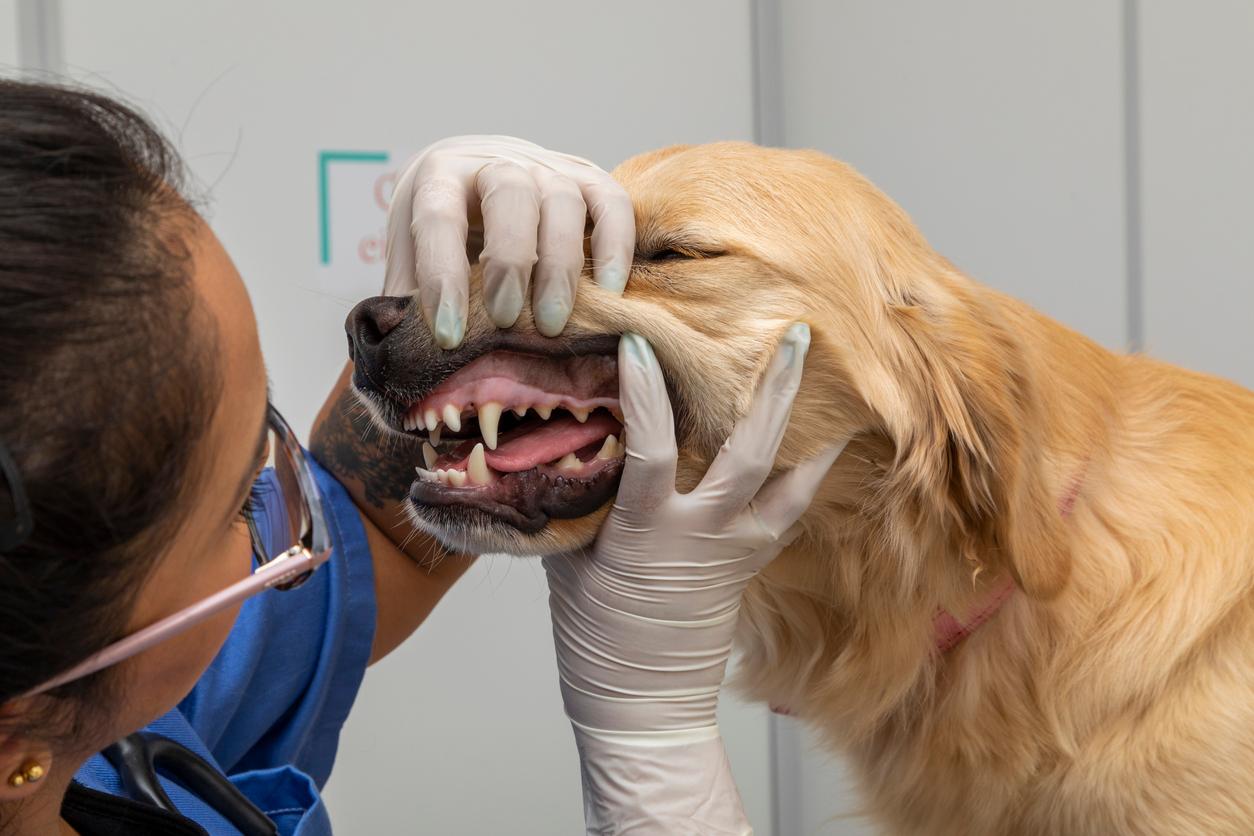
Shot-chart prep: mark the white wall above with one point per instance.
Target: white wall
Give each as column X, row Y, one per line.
column 461, row 730
column 1197, row 130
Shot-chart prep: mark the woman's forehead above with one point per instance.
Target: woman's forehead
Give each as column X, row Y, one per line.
column 242, row 403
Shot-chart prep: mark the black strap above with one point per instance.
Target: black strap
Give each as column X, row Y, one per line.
column 137, row 758
column 95, row 813
column 13, row 530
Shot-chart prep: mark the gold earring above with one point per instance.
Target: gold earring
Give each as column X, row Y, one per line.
column 30, row 772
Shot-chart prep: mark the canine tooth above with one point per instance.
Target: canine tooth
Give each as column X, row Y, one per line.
column 520, row 411
column 609, row 450
column 434, row 433
column 569, row 462
column 489, row 420
column 429, row 455
column 477, row 467
column 544, row 412
column 453, row 417
column 457, row 478
column 581, row 414
column 430, row 419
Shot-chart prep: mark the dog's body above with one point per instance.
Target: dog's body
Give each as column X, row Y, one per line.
column 1111, row 693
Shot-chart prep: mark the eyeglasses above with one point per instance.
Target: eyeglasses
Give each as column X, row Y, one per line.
column 297, row 520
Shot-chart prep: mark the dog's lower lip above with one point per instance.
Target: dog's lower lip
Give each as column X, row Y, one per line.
column 526, row 500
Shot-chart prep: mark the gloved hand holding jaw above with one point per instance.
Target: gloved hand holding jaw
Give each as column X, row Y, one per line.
column 643, row 625
column 528, row 206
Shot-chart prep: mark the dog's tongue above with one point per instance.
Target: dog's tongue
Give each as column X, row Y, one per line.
column 539, row 442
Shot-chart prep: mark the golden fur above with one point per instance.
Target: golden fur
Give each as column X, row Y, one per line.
column 1112, row 692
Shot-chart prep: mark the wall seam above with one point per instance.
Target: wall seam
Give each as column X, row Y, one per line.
column 767, row 54
column 39, row 37
column 1133, row 240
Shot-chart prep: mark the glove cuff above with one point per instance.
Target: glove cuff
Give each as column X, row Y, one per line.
column 658, row 784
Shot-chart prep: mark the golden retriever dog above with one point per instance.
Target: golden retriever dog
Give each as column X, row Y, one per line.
column 1022, row 602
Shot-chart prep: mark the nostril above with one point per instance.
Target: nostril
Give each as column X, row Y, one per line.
column 372, row 320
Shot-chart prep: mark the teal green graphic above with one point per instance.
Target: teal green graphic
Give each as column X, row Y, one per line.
column 325, row 158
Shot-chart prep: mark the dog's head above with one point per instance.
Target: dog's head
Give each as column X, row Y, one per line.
column 734, row 243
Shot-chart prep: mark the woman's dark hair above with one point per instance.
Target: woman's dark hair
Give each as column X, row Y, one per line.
column 107, row 377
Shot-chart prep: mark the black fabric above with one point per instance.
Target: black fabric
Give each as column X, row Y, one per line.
column 94, row 813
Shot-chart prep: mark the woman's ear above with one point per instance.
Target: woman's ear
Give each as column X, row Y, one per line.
column 24, row 765
column 974, row 442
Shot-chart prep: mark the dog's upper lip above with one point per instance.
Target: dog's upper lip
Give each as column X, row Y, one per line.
column 445, row 363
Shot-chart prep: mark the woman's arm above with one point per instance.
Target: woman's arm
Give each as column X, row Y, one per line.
column 411, row 570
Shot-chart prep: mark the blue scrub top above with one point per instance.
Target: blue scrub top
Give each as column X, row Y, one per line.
column 269, row 709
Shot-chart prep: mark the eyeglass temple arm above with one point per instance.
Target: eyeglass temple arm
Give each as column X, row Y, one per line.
column 285, row 567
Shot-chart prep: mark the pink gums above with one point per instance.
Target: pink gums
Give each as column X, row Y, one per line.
column 518, row 380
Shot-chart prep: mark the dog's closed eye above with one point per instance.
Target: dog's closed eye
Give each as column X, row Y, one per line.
column 675, row 253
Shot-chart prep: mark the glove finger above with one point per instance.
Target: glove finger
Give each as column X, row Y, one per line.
column 510, row 202
column 748, row 455
column 613, row 226
column 649, row 469
column 781, row 503
column 562, row 217
column 441, row 269
column 399, row 276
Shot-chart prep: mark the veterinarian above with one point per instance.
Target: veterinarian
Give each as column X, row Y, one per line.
column 148, row 487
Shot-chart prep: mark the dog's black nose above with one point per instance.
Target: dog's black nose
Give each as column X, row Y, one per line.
column 368, row 325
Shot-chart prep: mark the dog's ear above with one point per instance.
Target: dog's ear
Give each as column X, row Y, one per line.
column 972, row 446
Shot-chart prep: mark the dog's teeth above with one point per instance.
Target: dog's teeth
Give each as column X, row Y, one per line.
column 609, row 450
column 413, row 421
column 544, row 412
column 617, row 412
column 429, row 455
column 407, row 423
column 569, row 462
column 581, row 414
column 434, row 433
column 456, row 478
column 477, row 467
column 441, row 476
column 452, row 417
column 427, row 475
column 430, row 420
column 489, row 420
column 520, row 411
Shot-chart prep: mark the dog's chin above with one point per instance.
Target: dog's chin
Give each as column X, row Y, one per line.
column 470, row 530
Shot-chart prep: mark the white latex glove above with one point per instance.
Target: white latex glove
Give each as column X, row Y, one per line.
column 529, row 205
column 643, row 625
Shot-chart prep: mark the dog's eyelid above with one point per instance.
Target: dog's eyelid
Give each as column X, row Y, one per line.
column 677, row 252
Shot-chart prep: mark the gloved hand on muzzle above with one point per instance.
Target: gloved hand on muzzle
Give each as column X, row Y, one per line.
column 643, row 625
column 527, row 206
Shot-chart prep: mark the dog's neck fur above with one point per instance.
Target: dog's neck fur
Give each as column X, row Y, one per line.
column 864, row 584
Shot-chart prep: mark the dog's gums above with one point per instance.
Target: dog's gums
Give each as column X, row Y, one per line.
column 521, row 437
